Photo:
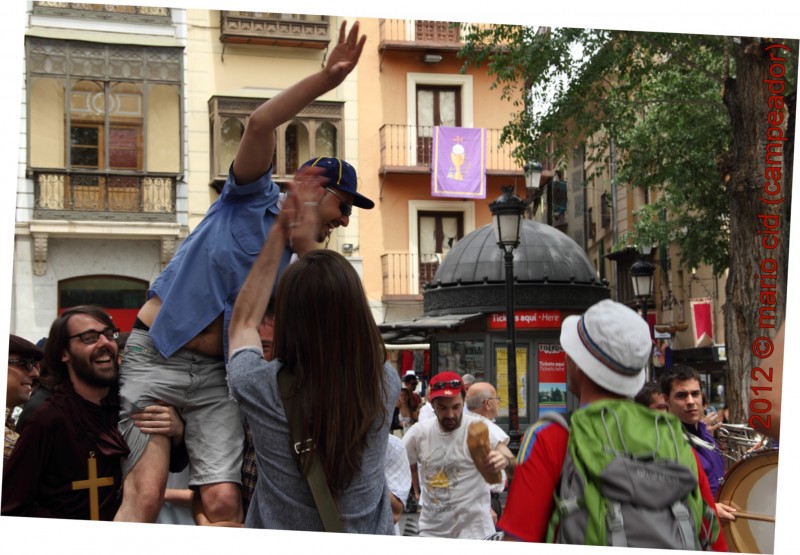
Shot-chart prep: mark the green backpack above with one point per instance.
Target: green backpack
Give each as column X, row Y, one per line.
column 629, row 480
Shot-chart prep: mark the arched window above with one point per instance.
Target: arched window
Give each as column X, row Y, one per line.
column 231, row 133
column 326, row 140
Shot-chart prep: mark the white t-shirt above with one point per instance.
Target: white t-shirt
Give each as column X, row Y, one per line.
column 454, row 496
column 426, row 412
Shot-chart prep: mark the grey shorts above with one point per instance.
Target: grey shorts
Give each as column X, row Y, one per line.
column 197, row 386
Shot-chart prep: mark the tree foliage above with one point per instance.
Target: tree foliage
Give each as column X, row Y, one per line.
column 657, row 96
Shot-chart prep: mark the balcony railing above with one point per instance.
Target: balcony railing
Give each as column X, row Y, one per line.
column 103, row 196
column 405, row 274
column 297, row 30
column 404, row 146
column 426, row 33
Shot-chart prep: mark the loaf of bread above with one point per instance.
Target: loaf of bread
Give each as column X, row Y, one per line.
column 478, row 444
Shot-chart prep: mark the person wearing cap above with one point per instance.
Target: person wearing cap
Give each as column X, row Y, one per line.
column 426, row 411
column 455, row 499
column 181, row 332
column 607, row 349
column 23, row 368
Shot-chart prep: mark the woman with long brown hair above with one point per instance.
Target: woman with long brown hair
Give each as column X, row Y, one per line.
column 326, row 337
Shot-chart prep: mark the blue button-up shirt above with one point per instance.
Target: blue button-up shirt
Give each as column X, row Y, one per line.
column 205, row 275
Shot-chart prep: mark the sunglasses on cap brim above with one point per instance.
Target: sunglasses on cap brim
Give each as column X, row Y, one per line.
column 451, row 384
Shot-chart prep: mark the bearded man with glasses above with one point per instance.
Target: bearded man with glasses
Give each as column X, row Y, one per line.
column 455, row 499
column 67, row 463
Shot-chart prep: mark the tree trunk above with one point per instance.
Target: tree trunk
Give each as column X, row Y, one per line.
column 759, row 219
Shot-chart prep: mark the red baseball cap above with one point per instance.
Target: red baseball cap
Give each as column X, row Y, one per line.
column 445, row 384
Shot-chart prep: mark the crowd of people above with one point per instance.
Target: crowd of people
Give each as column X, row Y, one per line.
column 243, row 365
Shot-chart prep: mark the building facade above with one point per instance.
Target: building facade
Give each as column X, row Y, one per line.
column 131, row 118
column 101, row 190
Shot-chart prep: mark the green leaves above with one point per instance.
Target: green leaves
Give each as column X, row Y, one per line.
column 656, row 95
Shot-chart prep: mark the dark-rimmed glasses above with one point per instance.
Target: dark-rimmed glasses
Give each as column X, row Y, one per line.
column 90, row 337
column 445, row 385
column 27, row 363
column 345, row 208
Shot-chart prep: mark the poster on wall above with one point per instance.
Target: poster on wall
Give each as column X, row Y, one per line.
column 501, row 364
column 552, row 378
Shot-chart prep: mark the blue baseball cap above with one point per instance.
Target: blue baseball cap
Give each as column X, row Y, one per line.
column 341, row 175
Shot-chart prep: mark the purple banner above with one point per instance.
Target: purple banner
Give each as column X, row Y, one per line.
column 459, row 162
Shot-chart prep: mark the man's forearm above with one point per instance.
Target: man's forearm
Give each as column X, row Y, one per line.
column 258, row 141
column 415, row 480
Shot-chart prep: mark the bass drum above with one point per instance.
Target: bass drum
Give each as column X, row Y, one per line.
column 750, row 487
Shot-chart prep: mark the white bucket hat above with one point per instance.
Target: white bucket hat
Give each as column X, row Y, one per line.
column 611, row 344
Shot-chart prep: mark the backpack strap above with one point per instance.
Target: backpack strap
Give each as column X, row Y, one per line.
column 684, row 522
column 555, row 417
column 615, row 525
column 301, row 448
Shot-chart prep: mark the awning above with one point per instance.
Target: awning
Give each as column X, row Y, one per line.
column 625, row 252
column 418, row 330
column 702, row 358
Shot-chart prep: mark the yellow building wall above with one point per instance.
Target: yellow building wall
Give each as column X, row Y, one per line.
column 372, row 111
column 47, row 147
column 163, row 130
column 253, row 71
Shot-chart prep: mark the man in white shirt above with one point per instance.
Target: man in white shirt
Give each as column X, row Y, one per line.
column 454, row 496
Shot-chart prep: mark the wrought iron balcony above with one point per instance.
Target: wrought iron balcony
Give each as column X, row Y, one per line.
column 61, row 194
column 275, row 29
column 404, row 34
column 405, row 274
column 408, row 147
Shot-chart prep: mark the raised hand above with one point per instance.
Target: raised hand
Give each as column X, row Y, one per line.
column 300, row 212
column 344, row 57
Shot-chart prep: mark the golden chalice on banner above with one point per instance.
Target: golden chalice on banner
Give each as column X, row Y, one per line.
column 457, row 157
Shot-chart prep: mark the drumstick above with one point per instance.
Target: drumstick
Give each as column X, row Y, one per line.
column 753, row 516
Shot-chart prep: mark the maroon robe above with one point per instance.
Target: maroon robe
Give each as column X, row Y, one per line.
column 67, row 462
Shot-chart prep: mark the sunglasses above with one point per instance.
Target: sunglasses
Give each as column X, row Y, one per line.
column 28, row 363
column 91, row 337
column 452, row 384
column 345, row 208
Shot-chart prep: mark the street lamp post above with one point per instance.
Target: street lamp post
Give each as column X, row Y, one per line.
column 533, row 176
column 506, row 217
column 642, row 279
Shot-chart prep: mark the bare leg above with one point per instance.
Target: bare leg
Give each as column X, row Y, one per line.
column 221, row 503
column 144, row 486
